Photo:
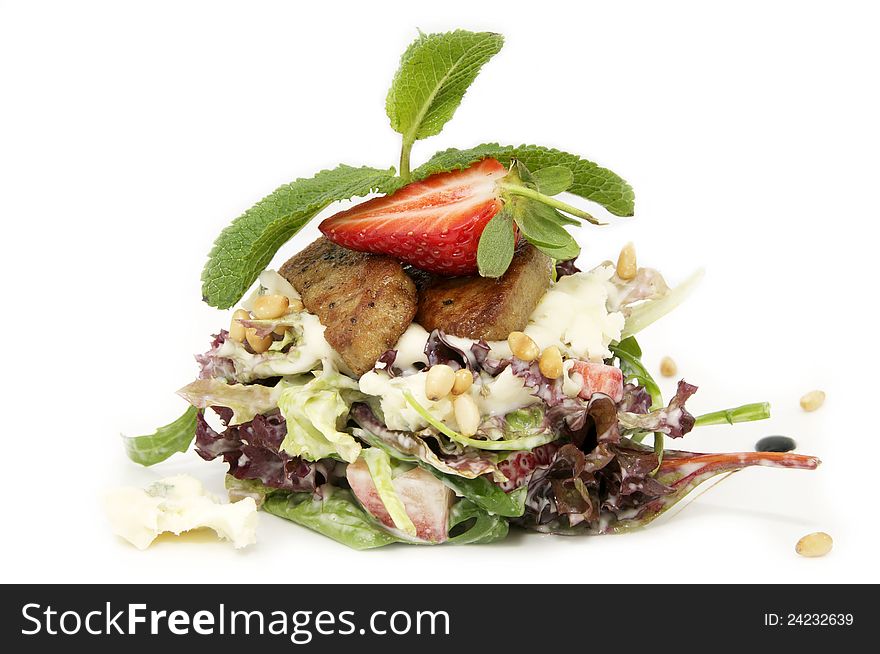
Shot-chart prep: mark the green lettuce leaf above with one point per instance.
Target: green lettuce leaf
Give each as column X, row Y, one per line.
column 173, row 437
column 315, row 413
column 246, row 401
column 379, row 465
column 245, row 248
column 335, row 514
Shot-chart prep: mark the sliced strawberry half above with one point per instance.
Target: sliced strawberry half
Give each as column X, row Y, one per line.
column 434, row 224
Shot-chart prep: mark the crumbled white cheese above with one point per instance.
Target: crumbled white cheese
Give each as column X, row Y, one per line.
column 178, row 504
column 573, row 316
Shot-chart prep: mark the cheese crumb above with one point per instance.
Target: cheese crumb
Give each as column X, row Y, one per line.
column 178, row 504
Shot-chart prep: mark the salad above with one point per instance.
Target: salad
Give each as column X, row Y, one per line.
column 440, row 366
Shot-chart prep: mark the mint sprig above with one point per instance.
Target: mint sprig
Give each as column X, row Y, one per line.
column 435, row 72
column 245, row 248
column 589, row 180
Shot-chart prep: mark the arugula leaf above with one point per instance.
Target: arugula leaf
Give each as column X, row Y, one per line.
column 553, row 179
column 173, row 437
column 485, row 494
column 497, row 243
column 590, row 181
column 245, row 248
column 486, row 528
column 435, row 72
column 629, row 353
column 570, row 250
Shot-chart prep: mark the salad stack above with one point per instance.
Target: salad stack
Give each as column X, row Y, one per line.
column 437, row 367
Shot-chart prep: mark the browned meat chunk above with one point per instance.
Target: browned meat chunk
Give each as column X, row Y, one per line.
column 365, row 301
column 479, row 307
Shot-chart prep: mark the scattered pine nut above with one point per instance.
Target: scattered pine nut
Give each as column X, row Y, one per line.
column 257, row 343
column 463, row 381
column 668, row 367
column 467, row 415
column 812, row 400
column 439, row 381
column 816, row 544
column 550, row 363
column 522, row 346
column 626, row 262
column 236, row 329
column 296, row 306
column 268, row 307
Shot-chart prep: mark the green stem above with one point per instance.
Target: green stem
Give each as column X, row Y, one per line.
column 745, row 413
column 526, row 192
column 404, row 160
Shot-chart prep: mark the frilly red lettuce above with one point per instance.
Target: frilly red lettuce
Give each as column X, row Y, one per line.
column 212, row 365
column 252, row 451
column 673, row 420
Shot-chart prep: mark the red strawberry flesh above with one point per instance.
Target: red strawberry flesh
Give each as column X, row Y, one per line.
column 434, row 224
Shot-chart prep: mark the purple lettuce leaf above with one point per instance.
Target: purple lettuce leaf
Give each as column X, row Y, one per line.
column 439, row 349
column 636, row 399
column 673, row 420
column 610, row 489
column 388, row 357
column 212, row 365
column 486, row 363
column 252, row 451
column 549, row 390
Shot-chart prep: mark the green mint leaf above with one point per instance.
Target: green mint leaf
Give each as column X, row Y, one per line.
column 553, row 179
column 435, row 72
column 245, row 248
column 531, row 219
column 590, row 181
column 495, row 250
column 570, row 250
column 173, row 437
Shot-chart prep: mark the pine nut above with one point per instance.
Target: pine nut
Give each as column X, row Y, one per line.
column 296, row 306
column 236, row 329
column 626, row 262
column 439, row 381
column 816, row 544
column 812, row 400
column 280, row 330
column 268, row 307
column 550, row 362
column 258, row 345
column 467, row 415
column 522, row 346
column 668, row 367
column 463, row 381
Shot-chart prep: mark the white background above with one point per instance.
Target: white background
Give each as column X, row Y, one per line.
column 131, row 133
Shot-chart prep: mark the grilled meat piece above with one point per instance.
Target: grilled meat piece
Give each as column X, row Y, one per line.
column 365, row 301
column 480, row 307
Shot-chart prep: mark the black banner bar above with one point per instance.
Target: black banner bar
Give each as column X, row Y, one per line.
column 429, row 618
